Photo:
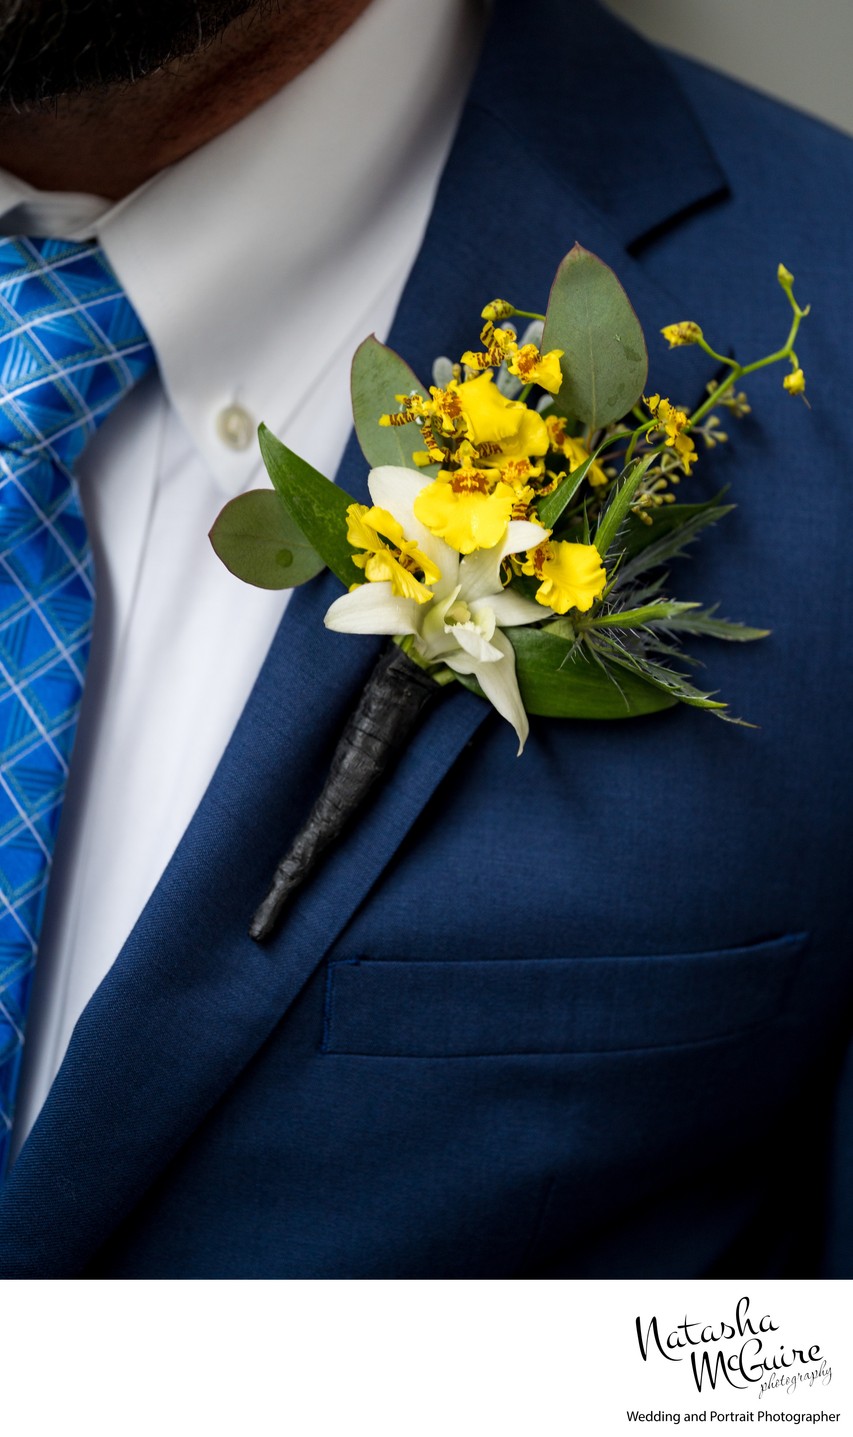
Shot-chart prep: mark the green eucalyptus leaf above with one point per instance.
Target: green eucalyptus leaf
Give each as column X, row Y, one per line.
column 558, row 679
column 605, row 363
column 378, row 375
column 316, row 506
column 256, row 539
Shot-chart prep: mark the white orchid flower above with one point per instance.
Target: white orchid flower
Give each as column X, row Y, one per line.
column 461, row 625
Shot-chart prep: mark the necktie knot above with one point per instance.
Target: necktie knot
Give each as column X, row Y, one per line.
column 71, row 346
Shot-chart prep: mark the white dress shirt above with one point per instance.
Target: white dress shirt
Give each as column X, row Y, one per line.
column 257, row 265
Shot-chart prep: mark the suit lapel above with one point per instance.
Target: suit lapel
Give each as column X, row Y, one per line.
column 190, row 999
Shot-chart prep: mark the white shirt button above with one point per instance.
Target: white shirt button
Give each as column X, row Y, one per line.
column 235, row 426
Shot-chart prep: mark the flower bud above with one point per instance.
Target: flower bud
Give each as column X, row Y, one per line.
column 795, row 383
column 685, row 332
column 498, row 309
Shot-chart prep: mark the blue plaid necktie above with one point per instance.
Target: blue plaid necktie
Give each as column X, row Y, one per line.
column 71, row 346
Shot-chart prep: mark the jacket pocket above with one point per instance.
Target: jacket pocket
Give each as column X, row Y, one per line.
column 536, row 1006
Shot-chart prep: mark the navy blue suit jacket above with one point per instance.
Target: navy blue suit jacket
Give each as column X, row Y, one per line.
column 578, row 1014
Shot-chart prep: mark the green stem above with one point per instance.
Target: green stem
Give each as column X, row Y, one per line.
column 738, row 371
column 784, row 353
column 635, row 439
column 714, row 399
column 443, row 677
column 527, row 314
column 406, row 642
column 720, row 358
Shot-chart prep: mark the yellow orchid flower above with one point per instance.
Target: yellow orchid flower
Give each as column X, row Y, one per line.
column 517, row 472
column 500, row 344
column 673, row 421
column 465, row 510
column 492, row 419
column 368, row 529
column 446, row 405
column 531, row 367
column 685, row 332
column 573, row 450
column 795, row 382
column 572, row 575
column 412, row 407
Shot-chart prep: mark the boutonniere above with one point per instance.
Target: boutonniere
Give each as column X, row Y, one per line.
column 524, row 509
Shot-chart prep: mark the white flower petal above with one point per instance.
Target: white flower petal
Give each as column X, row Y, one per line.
column 394, row 488
column 449, row 566
column 521, row 535
column 374, row 609
column 436, row 638
column 434, row 650
column 435, row 646
column 461, row 663
column 500, row 685
column 510, row 607
column 473, row 642
column 480, row 572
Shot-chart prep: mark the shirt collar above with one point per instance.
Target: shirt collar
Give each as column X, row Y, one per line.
column 257, row 258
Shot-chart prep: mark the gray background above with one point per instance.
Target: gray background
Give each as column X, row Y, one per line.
column 800, row 50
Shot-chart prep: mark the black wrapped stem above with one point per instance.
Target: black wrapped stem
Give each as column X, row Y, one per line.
column 388, row 712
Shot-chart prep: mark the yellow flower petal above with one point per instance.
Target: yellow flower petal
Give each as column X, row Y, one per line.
column 685, row 332
column 491, row 418
column 573, row 450
column 531, row 367
column 516, row 472
column 498, row 309
column 499, row 344
column 686, row 451
column 673, row 422
column 572, row 575
column 384, row 567
column 444, row 405
column 464, row 511
column 365, row 526
column 795, row 383
column 368, row 528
